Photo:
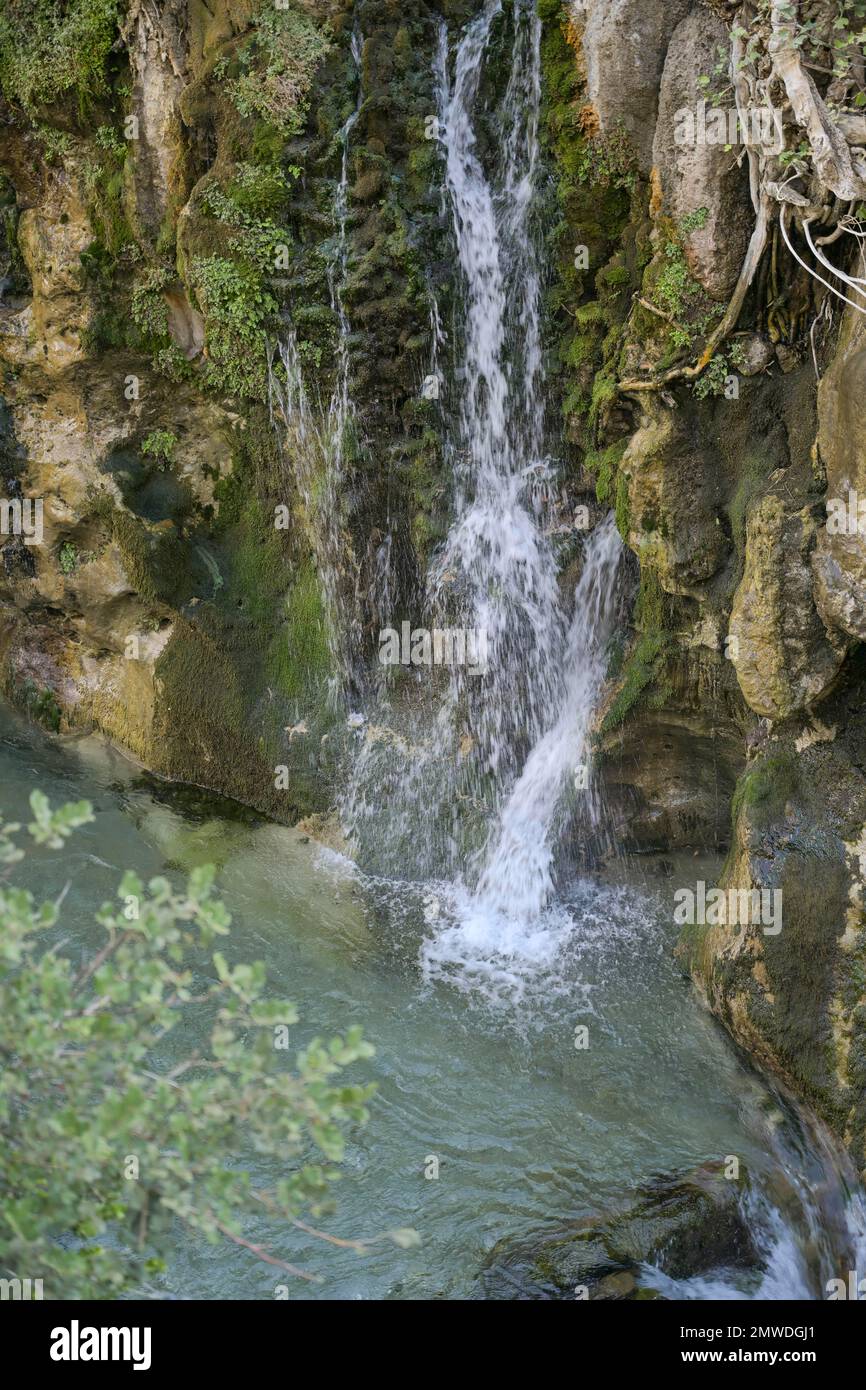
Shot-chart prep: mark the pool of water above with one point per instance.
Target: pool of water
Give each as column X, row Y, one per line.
column 477, row 1056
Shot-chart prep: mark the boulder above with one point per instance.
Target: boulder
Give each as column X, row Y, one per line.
column 697, row 175
column 785, row 657
column 624, row 46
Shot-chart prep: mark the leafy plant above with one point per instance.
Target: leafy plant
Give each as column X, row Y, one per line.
column 235, row 305
column 51, row 47
column 115, row 1125
column 160, row 445
column 278, row 65
column 149, row 308
column 68, row 558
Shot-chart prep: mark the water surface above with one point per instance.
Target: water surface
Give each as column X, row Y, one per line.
column 476, row 1067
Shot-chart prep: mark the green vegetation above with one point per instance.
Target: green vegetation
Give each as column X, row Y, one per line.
column 300, row 656
column 149, row 308
column 274, row 68
column 68, row 558
column 765, row 788
column 642, row 679
column 160, row 445
column 49, row 48
column 40, row 705
column 749, row 485
column 232, row 283
column 104, row 181
column 116, row 1123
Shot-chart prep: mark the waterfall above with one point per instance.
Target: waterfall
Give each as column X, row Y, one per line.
column 465, row 781
column 496, row 558
column 486, row 760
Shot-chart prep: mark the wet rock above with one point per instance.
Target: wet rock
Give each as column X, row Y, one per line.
column 793, row 994
column 685, row 1226
column 839, row 561
column 674, row 500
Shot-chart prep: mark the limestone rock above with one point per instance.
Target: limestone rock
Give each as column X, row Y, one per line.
column 624, row 45
column 839, row 561
column 794, row 996
column 673, row 502
column 52, row 234
column 784, row 656
column 699, row 174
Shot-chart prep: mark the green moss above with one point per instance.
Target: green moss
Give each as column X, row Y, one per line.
column 156, row 562
column 39, row 704
column 748, row 486
column 641, row 671
column 765, row 788
column 604, row 463
column 621, row 506
column 299, row 660
column 259, row 570
column 643, row 676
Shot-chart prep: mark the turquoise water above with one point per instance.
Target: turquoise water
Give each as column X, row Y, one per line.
column 529, row 1131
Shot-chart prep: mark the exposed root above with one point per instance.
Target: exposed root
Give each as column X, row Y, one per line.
column 728, row 323
column 817, row 177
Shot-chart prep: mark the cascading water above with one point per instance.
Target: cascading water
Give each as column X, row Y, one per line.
column 517, row 879
column 496, row 572
column 497, row 559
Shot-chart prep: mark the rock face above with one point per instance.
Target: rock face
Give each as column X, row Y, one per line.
column 694, row 173
column 52, row 235
column 791, row 990
column 839, row 560
column 740, row 497
column 784, row 656
column 624, row 44
column 176, row 600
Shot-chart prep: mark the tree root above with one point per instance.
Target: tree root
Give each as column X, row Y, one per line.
column 728, row 323
column 834, row 166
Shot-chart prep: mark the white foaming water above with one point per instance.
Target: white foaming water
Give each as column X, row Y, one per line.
column 496, row 560
column 517, row 879
column 506, row 934
column 812, row 1235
